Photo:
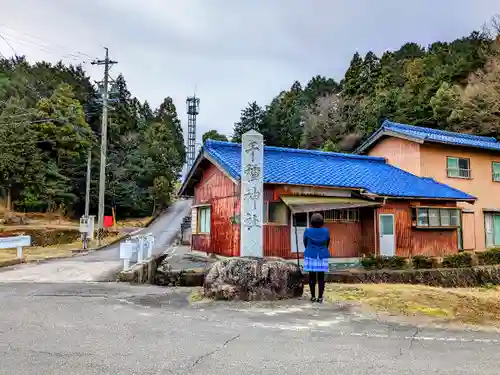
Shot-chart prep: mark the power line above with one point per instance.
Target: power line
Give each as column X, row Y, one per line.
column 7, row 42
column 43, row 40
column 68, row 56
column 25, row 80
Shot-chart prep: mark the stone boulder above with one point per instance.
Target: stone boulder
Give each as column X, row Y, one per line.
column 253, row 279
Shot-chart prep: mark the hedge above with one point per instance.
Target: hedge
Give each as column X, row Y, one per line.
column 440, row 277
column 460, row 260
column 489, row 257
column 378, row 263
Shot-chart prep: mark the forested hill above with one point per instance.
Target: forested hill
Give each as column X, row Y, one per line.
column 447, row 85
column 50, row 118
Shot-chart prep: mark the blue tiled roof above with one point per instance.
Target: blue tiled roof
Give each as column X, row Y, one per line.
column 441, row 136
column 328, row 169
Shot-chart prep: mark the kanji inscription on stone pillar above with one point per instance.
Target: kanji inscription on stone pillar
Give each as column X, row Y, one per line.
column 252, row 194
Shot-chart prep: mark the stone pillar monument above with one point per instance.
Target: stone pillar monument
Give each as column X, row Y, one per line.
column 252, row 194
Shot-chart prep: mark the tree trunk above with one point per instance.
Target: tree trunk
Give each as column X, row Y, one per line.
column 9, row 198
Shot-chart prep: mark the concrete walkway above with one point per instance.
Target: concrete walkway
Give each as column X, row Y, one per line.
column 101, row 265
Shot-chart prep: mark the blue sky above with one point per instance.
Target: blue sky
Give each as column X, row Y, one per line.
column 232, row 52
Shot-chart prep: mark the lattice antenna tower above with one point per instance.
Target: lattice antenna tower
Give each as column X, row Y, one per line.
column 193, row 108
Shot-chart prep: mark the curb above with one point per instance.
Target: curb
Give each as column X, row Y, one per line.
column 142, row 273
column 11, row 262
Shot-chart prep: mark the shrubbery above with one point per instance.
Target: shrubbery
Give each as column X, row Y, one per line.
column 460, row 260
column 421, row 262
column 489, row 257
column 380, row 262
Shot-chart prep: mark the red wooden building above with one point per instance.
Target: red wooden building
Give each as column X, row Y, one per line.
column 369, row 206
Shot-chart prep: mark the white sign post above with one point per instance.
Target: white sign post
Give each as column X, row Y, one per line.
column 17, row 242
column 126, row 251
column 252, row 194
column 150, row 240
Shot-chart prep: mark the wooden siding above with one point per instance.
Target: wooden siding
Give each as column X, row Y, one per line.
column 194, row 220
column 222, row 229
column 277, row 241
column 214, row 184
column 216, row 189
column 411, row 241
column 200, row 242
column 346, row 239
column 368, row 230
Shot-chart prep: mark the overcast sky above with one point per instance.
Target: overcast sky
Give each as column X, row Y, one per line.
column 231, row 51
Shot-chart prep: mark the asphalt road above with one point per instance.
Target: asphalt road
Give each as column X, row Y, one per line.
column 108, row 328
column 101, row 265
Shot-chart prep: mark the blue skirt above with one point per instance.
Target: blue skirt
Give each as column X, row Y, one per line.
column 315, row 265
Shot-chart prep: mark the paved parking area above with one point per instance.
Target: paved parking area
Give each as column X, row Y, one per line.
column 108, row 328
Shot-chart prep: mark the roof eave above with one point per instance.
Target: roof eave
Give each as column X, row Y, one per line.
column 467, row 200
column 365, row 146
column 202, row 156
column 190, row 173
column 221, row 168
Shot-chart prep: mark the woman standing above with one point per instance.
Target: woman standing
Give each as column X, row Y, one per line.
column 316, row 254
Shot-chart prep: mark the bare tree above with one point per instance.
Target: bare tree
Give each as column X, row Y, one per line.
column 323, row 121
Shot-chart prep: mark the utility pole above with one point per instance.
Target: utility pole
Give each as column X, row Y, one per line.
column 104, row 139
column 87, row 187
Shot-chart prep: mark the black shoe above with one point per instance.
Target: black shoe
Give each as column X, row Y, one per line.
column 319, row 300
column 313, row 299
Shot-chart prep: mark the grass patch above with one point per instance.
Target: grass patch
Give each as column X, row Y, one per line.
column 472, row 306
column 196, row 295
column 56, row 251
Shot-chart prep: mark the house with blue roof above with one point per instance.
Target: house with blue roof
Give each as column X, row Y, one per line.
column 369, row 205
column 467, row 162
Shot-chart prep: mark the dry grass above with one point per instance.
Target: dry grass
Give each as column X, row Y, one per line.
column 471, row 306
column 38, row 220
column 133, row 223
column 47, row 252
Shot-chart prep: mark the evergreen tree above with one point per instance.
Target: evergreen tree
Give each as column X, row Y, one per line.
column 352, row 80
column 167, row 114
column 214, row 135
column 252, row 117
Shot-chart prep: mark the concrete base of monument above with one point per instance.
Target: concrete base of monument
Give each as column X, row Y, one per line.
column 335, row 263
column 253, row 279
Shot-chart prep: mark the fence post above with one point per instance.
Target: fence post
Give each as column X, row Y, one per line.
column 140, row 251
column 19, row 252
column 150, row 242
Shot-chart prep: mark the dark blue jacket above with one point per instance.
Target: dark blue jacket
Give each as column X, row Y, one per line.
column 316, row 241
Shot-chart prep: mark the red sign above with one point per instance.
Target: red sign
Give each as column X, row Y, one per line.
column 108, row 221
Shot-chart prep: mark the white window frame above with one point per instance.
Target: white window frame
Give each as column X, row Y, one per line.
column 458, row 172
column 266, row 213
column 204, row 217
column 495, row 176
column 347, row 215
column 424, row 212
